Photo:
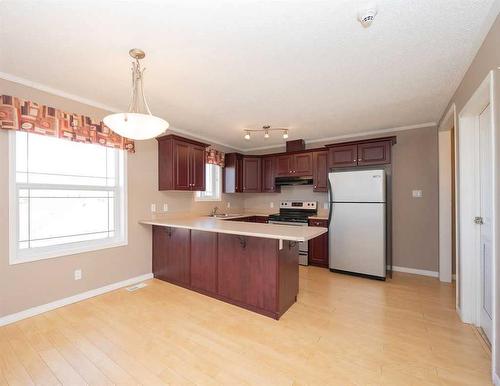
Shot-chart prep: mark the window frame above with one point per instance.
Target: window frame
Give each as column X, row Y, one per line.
column 198, row 196
column 17, row 256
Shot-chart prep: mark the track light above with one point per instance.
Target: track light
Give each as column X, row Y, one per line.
column 266, row 129
column 266, row 134
column 285, row 134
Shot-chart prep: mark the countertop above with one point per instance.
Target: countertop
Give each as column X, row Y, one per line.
column 218, row 225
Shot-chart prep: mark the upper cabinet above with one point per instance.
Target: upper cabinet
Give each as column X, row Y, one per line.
column 181, row 163
column 362, row 153
column 268, row 175
column 320, row 171
column 300, row 164
column 251, row 174
column 242, row 174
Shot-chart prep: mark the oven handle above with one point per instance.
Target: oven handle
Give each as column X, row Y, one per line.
column 287, row 223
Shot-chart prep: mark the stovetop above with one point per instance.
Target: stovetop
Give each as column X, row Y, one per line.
column 295, row 211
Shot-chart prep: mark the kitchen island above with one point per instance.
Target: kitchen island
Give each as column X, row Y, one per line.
column 251, row 265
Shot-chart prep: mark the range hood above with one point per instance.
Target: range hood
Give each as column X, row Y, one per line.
column 289, row 181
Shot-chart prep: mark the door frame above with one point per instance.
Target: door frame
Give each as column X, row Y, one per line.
column 469, row 269
column 447, row 185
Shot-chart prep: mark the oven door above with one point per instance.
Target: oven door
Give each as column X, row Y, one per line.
column 303, row 246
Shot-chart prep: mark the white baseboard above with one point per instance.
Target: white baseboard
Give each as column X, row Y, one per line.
column 72, row 299
column 422, row 272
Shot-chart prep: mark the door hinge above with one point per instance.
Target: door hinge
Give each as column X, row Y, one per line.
column 478, row 220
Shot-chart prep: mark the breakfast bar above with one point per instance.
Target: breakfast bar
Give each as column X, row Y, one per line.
column 251, row 265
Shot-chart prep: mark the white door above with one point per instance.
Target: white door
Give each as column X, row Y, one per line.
column 486, row 231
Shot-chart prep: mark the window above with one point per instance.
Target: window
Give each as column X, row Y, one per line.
column 213, row 178
column 65, row 197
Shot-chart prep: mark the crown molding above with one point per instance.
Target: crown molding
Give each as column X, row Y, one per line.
column 57, row 92
column 94, row 103
column 354, row 135
column 113, row 109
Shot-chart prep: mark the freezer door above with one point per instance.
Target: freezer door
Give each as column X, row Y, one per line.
column 357, row 238
column 357, row 186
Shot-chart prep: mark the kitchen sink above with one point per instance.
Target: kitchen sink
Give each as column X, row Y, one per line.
column 224, row 215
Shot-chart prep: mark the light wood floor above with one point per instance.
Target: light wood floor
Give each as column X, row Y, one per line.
column 342, row 331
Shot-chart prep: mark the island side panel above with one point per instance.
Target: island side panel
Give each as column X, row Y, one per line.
column 247, row 271
column 204, row 261
column 171, row 254
column 288, row 275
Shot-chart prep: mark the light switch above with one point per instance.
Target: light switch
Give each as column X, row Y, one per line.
column 416, row 193
column 165, row 207
column 228, row 205
column 271, row 204
column 153, row 208
column 78, row 274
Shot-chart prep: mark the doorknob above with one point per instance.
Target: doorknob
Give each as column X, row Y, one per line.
column 478, row 220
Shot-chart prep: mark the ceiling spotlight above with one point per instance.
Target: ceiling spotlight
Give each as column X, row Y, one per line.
column 247, row 136
column 266, row 134
column 285, row 134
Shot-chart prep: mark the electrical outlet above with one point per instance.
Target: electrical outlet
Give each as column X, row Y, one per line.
column 325, row 205
column 228, row 205
column 416, row 193
column 271, row 204
column 78, row 274
column 165, row 207
column 153, row 208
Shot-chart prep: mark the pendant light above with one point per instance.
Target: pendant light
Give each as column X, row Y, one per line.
column 138, row 123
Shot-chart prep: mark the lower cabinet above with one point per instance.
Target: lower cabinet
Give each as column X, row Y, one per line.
column 318, row 247
column 250, row 272
column 204, row 261
column 171, row 255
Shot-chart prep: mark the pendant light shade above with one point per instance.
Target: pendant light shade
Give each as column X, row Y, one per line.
column 138, row 123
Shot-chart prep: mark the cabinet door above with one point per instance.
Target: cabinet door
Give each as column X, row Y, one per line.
column 197, row 166
column 204, row 261
column 303, row 164
column 343, row 156
column 171, row 254
column 181, row 166
column 318, row 247
column 268, row 172
column 284, row 165
column 320, row 171
column 251, row 175
column 374, row 153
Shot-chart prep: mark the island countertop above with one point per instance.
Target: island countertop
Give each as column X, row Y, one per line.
column 217, row 225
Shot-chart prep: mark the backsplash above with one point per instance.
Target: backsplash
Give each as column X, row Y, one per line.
column 261, row 201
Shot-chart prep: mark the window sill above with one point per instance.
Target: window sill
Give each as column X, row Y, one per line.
column 38, row 254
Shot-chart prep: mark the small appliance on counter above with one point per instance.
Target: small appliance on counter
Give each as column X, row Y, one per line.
column 296, row 213
column 357, row 222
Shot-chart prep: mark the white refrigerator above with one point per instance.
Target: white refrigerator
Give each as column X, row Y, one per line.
column 357, row 222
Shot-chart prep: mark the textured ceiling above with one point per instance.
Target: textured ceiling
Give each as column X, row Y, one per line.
column 216, row 67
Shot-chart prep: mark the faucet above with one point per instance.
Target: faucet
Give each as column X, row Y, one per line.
column 214, row 211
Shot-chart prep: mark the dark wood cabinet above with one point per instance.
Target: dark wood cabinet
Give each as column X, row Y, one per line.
column 204, row 261
column 233, row 173
column 268, row 175
column 361, row 153
column 284, row 165
column 318, row 247
column 374, row 153
column 251, row 174
column 343, row 156
column 300, row 164
column 171, row 254
column 320, row 171
column 251, row 272
column 303, row 164
column 261, row 219
column 181, row 163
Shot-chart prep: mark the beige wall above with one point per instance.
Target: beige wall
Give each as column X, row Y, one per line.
column 487, row 59
column 31, row 284
column 415, row 220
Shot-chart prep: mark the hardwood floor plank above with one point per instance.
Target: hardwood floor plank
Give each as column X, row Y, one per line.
column 342, row 331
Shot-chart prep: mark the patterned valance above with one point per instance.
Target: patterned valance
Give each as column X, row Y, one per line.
column 215, row 157
column 24, row 115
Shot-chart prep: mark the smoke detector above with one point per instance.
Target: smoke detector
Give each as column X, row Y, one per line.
column 367, row 15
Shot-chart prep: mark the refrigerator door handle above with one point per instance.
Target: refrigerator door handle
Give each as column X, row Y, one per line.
column 330, row 203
